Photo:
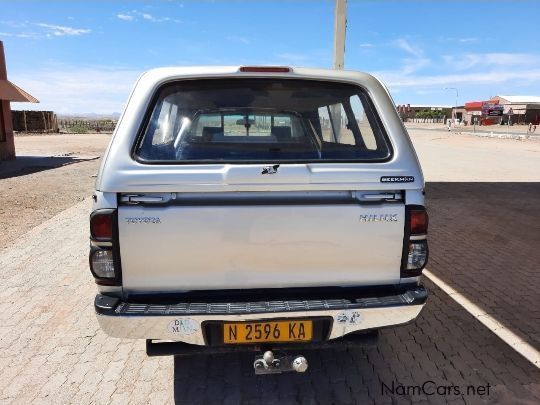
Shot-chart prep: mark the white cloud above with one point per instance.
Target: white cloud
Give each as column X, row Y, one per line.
column 366, row 45
column 125, row 17
column 470, row 39
column 43, row 30
column 152, row 18
column 439, row 81
column 403, row 44
column 423, row 92
column 74, row 89
column 470, row 70
column 236, row 38
column 483, row 60
column 462, row 40
column 14, row 24
column 133, row 14
column 33, row 35
column 60, row 30
column 411, row 65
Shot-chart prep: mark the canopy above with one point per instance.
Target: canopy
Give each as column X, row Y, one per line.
column 11, row 92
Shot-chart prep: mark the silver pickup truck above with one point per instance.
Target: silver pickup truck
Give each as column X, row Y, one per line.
column 260, row 208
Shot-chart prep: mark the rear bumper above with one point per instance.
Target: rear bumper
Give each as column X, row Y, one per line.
column 189, row 322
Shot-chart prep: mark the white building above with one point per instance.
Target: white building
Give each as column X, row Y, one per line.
column 522, row 109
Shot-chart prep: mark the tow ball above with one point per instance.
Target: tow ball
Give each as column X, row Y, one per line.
column 269, row 364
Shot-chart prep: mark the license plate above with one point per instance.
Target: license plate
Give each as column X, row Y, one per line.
column 279, row 331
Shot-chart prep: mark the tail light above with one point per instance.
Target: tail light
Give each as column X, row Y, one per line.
column 415, row 246
column 101, row 226
column 102, row 263
column 104, row 252
column 418, row 221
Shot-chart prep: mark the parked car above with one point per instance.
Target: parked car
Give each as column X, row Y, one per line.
column 271, row 209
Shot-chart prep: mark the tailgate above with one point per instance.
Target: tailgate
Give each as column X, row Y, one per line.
column 193, row 241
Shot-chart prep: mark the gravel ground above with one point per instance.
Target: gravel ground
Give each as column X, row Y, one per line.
column 51, row 173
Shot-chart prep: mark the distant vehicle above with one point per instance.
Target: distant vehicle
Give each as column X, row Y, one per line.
column 258, row 208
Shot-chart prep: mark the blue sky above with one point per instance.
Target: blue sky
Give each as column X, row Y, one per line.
column 81, row 57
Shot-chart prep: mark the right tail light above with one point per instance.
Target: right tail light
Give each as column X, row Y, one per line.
column 104, row 252
column 418, row 221
column 415, row 246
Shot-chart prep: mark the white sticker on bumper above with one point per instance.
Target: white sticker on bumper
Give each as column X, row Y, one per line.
column 349, row 317
column 183, row 326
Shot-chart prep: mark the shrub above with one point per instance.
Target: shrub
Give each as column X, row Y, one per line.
column 79, row 129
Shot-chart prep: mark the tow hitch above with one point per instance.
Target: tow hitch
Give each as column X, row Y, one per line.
column 269, row 364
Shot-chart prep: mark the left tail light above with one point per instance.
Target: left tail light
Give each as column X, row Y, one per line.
column 415, row 246
column 102, row 263
column 101, row 226
column 104, row 253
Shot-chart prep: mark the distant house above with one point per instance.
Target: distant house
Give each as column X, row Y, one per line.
column 520, row 109
column 482, row 112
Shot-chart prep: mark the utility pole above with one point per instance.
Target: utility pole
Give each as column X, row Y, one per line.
column 340, row 26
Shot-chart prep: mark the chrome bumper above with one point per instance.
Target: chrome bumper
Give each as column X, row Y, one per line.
column 184, row 321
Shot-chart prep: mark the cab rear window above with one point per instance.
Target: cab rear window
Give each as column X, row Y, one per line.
column 261, row 120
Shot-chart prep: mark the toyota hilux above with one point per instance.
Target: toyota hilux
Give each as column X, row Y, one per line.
column 262, row 208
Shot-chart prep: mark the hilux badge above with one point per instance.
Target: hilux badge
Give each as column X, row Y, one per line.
column 379, row 218
column 270, row 169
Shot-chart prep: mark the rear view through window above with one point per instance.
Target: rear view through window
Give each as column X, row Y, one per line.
column 262, row 120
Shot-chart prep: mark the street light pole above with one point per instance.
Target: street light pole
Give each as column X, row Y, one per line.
column 457, row 95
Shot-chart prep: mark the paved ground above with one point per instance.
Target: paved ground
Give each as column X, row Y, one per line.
column 52, row 350
column 484, row 241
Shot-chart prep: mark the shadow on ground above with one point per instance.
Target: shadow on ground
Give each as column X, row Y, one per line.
column 24, row 165
column 445, row 347
column 484, row 242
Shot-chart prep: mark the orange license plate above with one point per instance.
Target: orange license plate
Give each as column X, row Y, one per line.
column 257, row 332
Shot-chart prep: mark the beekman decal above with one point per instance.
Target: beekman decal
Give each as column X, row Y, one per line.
column 397, row 179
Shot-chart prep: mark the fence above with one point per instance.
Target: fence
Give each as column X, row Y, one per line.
column 83, row 126
column 426, row 120
column 34, row 121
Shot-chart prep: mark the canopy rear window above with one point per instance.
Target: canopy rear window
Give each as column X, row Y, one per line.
column 261, row 120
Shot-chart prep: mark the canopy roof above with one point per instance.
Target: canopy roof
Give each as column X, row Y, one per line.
column 11, row 92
